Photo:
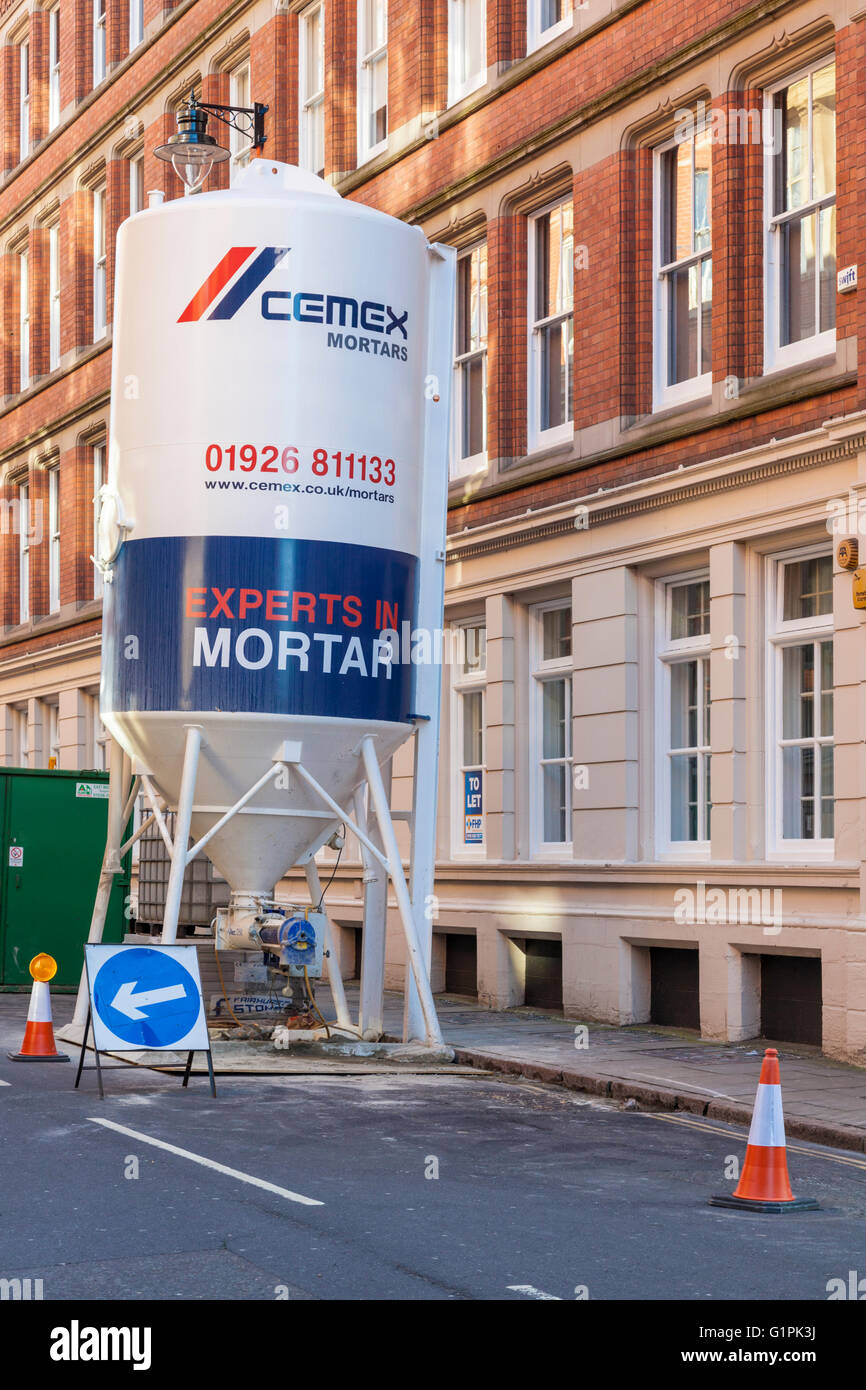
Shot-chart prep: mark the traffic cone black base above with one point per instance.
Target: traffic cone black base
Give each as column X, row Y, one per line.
column 746, row 1204
column 25, row 1057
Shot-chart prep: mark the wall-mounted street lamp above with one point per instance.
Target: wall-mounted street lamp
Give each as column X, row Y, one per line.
column 192, row 152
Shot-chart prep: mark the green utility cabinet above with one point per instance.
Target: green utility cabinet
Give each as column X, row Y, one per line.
column 52, row 837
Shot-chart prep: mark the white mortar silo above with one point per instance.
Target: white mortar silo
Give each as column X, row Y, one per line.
column 264, row 518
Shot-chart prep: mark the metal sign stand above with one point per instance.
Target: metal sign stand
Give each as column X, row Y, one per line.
column 186, row 1073
column 96, row 1055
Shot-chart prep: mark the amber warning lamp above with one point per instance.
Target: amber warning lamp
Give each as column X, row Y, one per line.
column 848, row 558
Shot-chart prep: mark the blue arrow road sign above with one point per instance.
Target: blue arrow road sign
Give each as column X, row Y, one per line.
column 145, row 995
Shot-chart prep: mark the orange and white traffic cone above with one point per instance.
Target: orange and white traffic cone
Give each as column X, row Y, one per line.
column 38, row 1044
column 764, row 1184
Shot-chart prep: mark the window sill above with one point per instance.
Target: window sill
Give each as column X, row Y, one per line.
column 638, row 873
column 696, row 391
column 675, row 855
column 797, row 357
column 786, row 371
column 675, row 419
column 796, row 857
column 560, row 437
column 456, row 97
column 477, row 469
column 535, row 43
column 366, row 157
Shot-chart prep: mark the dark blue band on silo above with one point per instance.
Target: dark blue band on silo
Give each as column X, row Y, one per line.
column 258, row 624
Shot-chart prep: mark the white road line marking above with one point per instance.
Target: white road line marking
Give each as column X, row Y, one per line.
column 5, row 1083
column 208, row 1163
column 532, row 1292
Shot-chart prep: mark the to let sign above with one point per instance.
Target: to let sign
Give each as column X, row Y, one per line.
column 473, row 808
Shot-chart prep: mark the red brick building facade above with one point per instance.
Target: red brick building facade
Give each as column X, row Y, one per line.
column 657, row 405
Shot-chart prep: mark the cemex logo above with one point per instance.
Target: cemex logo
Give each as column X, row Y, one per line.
column 302, row 306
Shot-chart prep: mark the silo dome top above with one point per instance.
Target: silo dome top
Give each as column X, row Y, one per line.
column 264, row 176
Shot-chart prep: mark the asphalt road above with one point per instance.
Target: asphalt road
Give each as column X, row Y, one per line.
column 539, row 1193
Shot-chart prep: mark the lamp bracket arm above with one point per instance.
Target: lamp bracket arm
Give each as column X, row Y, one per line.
column 253, row 118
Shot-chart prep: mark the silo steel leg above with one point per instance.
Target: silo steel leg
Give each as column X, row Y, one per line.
column 181, row 834
column 371, row 1014
column 401, row 892
column 423, row 861
column 332, row 964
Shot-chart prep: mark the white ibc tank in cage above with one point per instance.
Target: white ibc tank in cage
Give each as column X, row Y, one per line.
column 262, row 518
